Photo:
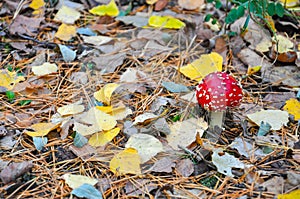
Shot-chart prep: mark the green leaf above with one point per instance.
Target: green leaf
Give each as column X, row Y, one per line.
column 10, row 95
column 271, row 9
column 279, row 9
column 231, row 17
column 24, row 102
column 240, row 11
column 207, row 17
column 209, row 1
column 214, row 21
column 79, row 140
column 218, row 4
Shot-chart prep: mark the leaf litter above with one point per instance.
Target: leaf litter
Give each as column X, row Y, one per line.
column 135, row 132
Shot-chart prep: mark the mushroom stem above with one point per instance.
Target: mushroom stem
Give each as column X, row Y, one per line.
column 216, row 119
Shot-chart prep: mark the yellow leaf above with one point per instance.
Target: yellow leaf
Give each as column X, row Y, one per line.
column 65, row 32
column 9, row 79
column 284, row 44
column 292, row 195
column 201, row 67
column 70, row 109
column 104, row 94
column 94, row 121
column 290, row 3
column 126, row 162
column 44, row 69
column 102, row 138
column 41, row 129
column 105, row 109
column 151, row 2
column 75, row 181
column 165, row 22
column 292, row 106
column 110, row 9
column 67, row 15
column 37, row 4
column 254, row 69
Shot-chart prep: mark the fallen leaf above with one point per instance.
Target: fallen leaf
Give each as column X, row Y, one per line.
column 110, row 9
column 65, row 32
column 87, row 191
column 96, row 40
column 164, row 165
column 109, row 63
column 25, row 25
column 225, row 162
column 253, row 69
column 184, row 133
column 151, row 2
column 105, row 93
column 75, row 181
column 102, row 138
column 190, row 4
column 139, row 186
column 39, row 142
column 135, row 20
column 79, row 140
column 289, row 3
column 175, row 88
column 93, row 121
column 146, row 145
column 201, row 67
column 246, row 148
column 68, row 54
column 292, row 195
column 284, row 44
column 160, row 4
column 70, row 109
column 44, row 69
column 292, row 106
column 144, row 117
column 126, row 162
column 8, row 80
column 165, row 22
column 37, row 4
column 67, row 15
column 41, row 129
column 275, row 118
column 185, row 167
column 14, row 170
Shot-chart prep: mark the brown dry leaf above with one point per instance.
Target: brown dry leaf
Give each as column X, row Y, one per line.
column 65, row 32
column 190, row 4
column 274, row 185
column 14, row 170
column 160, row 4
column 185, row 167
column 109, row 63
column 25, row 25
column 164, row 165
column 138, row 187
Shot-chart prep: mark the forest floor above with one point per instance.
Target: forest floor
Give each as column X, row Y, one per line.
column 99, row 102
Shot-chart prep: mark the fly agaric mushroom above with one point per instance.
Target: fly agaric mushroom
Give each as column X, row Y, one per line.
column 216, row 92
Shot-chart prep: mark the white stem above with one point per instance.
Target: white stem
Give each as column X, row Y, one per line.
column 216, row 119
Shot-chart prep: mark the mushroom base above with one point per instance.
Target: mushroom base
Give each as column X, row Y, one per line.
column 216, row 119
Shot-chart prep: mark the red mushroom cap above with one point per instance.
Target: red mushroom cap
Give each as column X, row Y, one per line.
column 217, row 91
